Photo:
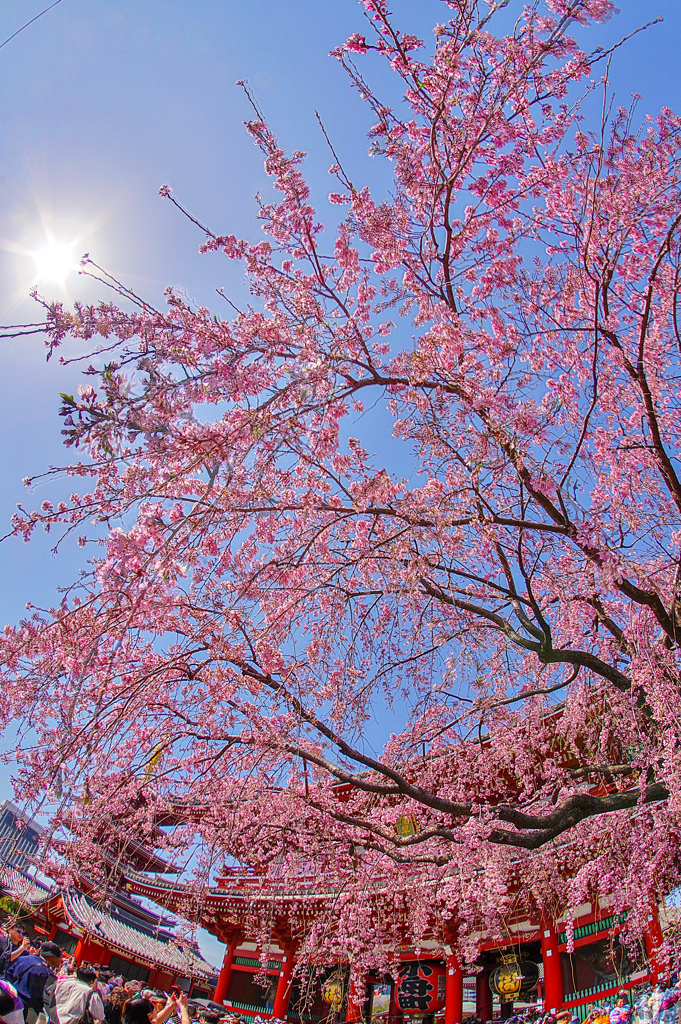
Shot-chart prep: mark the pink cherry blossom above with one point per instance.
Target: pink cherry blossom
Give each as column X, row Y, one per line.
column 428, row 476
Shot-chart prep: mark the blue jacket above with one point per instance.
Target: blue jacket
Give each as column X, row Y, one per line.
column 28, row 974
column 7, row 947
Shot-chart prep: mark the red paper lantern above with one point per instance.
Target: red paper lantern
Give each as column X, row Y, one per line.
column 420, row 987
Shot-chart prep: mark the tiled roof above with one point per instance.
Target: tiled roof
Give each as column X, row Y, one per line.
column 122, row 936
column 21, row 887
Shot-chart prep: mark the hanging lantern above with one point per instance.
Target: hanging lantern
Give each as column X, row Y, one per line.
column 405, row 827
column 420, row 987
column 333, row 991
column 513, row 978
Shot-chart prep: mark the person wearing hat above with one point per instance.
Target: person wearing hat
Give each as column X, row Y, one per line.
column 30, row 973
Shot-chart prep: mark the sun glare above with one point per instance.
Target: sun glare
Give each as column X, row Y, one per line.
column 54, row 262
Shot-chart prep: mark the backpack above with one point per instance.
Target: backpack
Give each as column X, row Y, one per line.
column 49, row 1002
column 86, row 1017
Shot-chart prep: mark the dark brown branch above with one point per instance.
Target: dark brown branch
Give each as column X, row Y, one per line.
column 573, row 810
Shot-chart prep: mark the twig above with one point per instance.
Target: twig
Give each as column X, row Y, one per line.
column 15, row 34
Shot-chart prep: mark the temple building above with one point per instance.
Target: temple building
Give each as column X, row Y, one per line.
column 119, row 932
column 531, row 964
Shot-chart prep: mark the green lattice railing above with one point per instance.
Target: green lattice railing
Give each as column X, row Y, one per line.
column 234, row 1005
column 595, row 927
column 312, row 1018
column 252, row 961
column 604, row 986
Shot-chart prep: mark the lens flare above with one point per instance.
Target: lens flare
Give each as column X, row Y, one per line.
column 54, row 262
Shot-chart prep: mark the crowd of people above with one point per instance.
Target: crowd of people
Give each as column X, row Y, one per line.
column 647, row 1004
column 43, row 985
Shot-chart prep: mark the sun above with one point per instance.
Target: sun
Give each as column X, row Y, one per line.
column 54, row 262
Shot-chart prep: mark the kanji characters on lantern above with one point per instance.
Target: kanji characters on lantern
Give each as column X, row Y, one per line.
column 421, row 987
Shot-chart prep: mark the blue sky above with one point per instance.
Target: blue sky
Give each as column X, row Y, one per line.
column 103, row 101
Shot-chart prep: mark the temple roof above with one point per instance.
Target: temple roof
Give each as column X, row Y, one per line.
column 131, row 851
column 125, row 903
column 228, row 905
column 22, row 888
column 157, row 950
column 161, row 951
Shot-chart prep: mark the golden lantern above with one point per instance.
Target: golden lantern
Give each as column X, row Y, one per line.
column 513, row 978
column 333, row 991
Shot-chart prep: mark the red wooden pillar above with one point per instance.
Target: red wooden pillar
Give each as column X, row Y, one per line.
column 553, row 975
column 355, row 998
column 283, row 993
column 78, row 951
column 52, row 932
column 453, row 991
column 653, row 939
column 225, row 976
column 483, row 997
column 394, row 1013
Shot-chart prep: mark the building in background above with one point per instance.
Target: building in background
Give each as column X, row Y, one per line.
column 19, row 837
column 119, row 932
column 533, row 964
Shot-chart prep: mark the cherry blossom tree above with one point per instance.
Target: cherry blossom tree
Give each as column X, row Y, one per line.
column 429, row 474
